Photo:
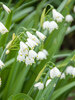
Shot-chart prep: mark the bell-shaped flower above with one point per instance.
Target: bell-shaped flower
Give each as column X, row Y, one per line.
column 69, row 70
column 40, row 35
column 46, row 25
column 31, row 43
column 29, row 60
column 69, row 18
column 21, row 58
column 39, row 85
column 55, row 72
column 33, row 37
column 52, row 25
column 23, row 46
column 32, row 54
column 57, row 16
column 3, row 29
column 45, row 52
column 41, row 55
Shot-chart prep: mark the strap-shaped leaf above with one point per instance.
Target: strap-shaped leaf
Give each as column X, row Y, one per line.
column 20, row 96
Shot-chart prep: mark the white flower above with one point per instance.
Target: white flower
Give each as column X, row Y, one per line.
column 69, row 70
column 3, row 29
column 48, row 81
column 74, row 9
column 31, row 43
column 55, row 72
column 52, row 25
column 7, row 51
column 40, row 35
column 33, row 37
column 23, row 52
column 69, row 18
column 0, row 82
column 46, row 25
column 6, row 9
column 23, row 46
column 39, row 85
column 21, row 58
column 45, row 52
column 73, row 73
column 29, row 61
column 41, row 55
column 62, row 76
column 1, row 64
column 32, row 54
column 57, row 16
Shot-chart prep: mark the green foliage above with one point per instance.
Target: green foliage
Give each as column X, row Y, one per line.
column 18, row 79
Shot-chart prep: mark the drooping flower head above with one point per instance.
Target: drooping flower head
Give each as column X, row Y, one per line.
column 57, row 16
column 69, row 70
column 33, row 37
column 39, row 85
column 40, row 35
column 54, row 72
column 50, row 25
column 69, row 18
column 3, row 29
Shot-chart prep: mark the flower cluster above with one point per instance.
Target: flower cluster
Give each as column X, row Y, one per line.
column 51, row 25
column 54, row 72
column 27, row 53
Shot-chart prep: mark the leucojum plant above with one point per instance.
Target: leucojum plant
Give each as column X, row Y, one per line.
column 29, row 69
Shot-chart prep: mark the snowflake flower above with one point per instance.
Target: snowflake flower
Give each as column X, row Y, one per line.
column 69, row 18
column 39, row 85
column 40, row 35
column 55, row 72
column 29, row 60
column 69, row 70
column 32, row 54
column 3, row 29
column 57, row 16
column 41, row 55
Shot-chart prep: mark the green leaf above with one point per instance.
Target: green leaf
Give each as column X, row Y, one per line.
column 20, row 96
column 60, row 91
